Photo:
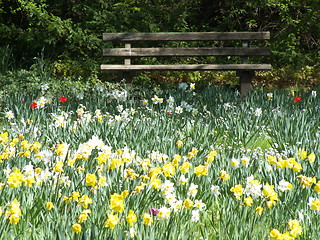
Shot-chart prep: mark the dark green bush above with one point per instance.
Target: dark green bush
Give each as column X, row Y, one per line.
column 69, row 32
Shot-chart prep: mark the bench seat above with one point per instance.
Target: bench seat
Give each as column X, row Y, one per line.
column 186, row 67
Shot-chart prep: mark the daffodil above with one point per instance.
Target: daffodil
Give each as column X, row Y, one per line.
column 248, row 201
column 58, row 168
column 179, row 143
column 85, row 200
column 91, row 180
column 201, row 170
column 314, row 203
column 112, row 221
column 184, row 168
column 147, row 219
column 168, row 169
column 131, row 218
column 117, row 202
column 259, row 210
column 224, row 175
column 76, row 228
column 237, row 190
column 164, row 213
column 311, row 157
column 49, row 205
column 188, row 203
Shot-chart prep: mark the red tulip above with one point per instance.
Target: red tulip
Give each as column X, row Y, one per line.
column 34, row 105
column 63, row 99
column 297, row 99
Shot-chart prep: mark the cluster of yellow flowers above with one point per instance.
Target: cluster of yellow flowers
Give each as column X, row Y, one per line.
column 14, row 213
column 303, row 154
column 254, row 188
column 13, row 148
column 117, row 205
column 84, row 202
column 285, row 163
column 272, row 196
column 295, row 231
column 92, row 181
column 95, row 163
column 307, row 181
column 291, row 163
column 25, row 177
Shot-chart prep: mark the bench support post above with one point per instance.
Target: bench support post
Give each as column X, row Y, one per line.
column 245, row 82
column 245, row 76
column 127, row 75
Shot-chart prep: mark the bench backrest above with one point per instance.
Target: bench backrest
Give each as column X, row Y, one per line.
column 190, row 36
column 130, row 52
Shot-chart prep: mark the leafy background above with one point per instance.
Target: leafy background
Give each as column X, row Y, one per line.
column 68, row 34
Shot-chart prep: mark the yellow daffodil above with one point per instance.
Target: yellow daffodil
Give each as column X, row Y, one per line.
column 76, row 228
column 147, row 219
column 131, row 218
column 49, row 206
column 112, row 221
column 117, row 202
column 201, row 170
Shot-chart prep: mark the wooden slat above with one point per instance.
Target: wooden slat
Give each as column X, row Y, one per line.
column 188, row 52
column 190, row 36
column 196, row 67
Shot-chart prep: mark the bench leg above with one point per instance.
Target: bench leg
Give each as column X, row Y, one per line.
column 127, row 77
column 245, row 82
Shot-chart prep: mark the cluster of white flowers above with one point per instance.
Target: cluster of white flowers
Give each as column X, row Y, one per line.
column 253, row 187
column 157, row 156
column 43, row 101
column 9, row 115
column 284, row 185
column 156, row 100
column 61, row 119
column 193, row 190
column 270, row 96
column 118, row 95
column 100, row 88
column 80, row 96
column 184, row 86
column 227, row 106
column 258, row 112
column 215, row 190
column 45, row 87
column 168, row 191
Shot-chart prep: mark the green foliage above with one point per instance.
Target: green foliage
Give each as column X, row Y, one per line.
column 287, row 77
column 69, row 32
column 32, row 82
column 5, row 60
column 293, row 25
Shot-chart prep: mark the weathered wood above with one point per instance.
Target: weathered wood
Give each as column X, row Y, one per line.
column 245, row 81
column 245, row 59
column 187, row 67
column 127, row 61
column 245, row 70
column 181, row 52
column 190, row 36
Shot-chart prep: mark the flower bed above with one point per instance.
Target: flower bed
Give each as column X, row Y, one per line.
column 165, row 164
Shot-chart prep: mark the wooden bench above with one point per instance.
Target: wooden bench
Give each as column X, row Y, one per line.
column 245, row 70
